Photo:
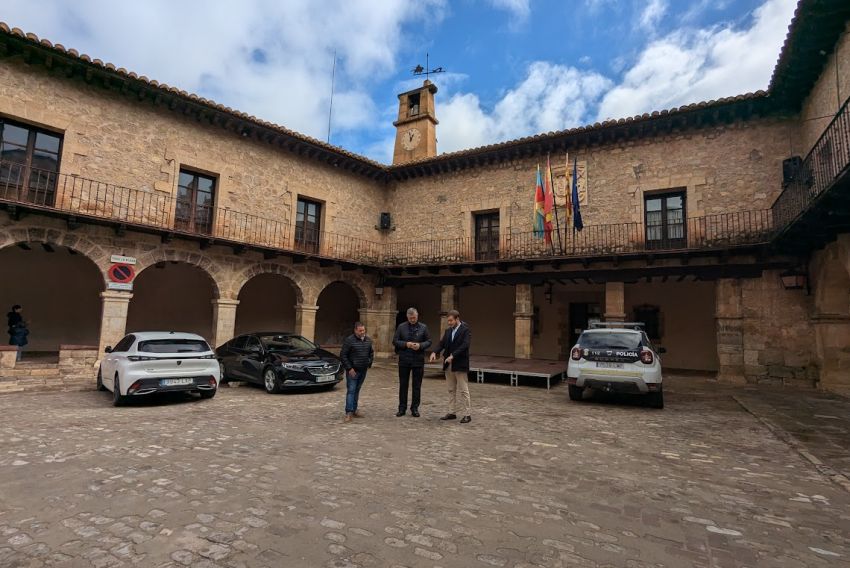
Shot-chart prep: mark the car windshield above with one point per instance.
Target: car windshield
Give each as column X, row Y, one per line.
column 612, row 339
column 173, row 346
column 286, row 343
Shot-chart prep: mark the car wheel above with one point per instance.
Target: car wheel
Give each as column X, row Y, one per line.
column 223, row 374
column 656, row 399
column 117, row 399
column 575, row 392
column 271, row 381
column 209, row 393
column 100, row 386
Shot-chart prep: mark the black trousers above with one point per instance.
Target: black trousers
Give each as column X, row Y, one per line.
column 404, row 373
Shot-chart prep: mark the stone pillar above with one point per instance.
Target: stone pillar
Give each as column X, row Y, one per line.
column 523, row 321
column 113, row 318
column 448, row 301
column 832, row 350
column 305, row 321
column 615, row 301
column 224, row 321
column 380, row 325
column 729, row 318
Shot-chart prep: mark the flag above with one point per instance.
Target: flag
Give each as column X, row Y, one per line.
column 548, row 204
column 568, row 222
column 578, row 224
column 539, row 204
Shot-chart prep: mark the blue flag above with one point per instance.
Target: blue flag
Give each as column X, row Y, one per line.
column 578, row 224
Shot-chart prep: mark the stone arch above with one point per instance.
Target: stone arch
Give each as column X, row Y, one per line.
column 211, row 269
column 340, row 304
column 354, row 282
column 299, row 281
column 69, row 239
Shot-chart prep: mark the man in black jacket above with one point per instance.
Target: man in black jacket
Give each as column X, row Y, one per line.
column 454, row 346
column 357, row 355
column 411, row 340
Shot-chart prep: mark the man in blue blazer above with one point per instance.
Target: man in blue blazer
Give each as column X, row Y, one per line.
column 454, row 347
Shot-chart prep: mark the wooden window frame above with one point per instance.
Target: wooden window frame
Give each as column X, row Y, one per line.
column 16, row 178
column 191, row 222
column 493, row 248
column 665, row 241
column 302, row 233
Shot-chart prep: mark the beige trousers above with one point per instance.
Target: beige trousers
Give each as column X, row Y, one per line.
column 458, row 382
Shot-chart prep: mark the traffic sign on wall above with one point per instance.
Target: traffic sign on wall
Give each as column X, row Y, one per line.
column 121, row 276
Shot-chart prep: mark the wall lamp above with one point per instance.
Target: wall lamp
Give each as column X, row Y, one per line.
column 794, row 279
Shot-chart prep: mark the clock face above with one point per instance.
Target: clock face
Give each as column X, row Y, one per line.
column 410, row 139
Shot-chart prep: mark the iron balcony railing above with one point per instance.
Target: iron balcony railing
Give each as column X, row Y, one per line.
column 81, row 197
column 724, row 230
column 826, row 162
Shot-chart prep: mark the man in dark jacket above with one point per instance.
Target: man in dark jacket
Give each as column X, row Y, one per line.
column 18, row 331
column 411, row 340
column 357, row 355
column 454, row 346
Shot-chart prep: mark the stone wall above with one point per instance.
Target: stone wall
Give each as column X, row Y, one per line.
column 736, row 167
column 118, row 139
column 828, row 94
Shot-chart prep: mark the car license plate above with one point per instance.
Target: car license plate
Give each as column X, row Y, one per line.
column 602, row 365
column 325, row 378
column 176, row 382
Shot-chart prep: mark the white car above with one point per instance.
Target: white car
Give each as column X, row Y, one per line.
column 159, row 361
column 616, row 358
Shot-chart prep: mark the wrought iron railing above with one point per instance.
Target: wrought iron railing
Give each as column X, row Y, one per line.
column 827, row 160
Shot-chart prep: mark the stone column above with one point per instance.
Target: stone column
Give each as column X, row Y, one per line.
column 729, row 318
column 832, row 337
column 113, row 317
column 615, row 301
column 523, row 320
column 305, row 321
column 224, row 321
column 380, row 325
column 448, row 301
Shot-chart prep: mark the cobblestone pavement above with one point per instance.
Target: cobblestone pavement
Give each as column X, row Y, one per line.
column 250, row 479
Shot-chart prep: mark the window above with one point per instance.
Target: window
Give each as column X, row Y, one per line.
column 665, row 220
column 29, row 163
column 173, row 346
column 195, row 203
column 239, row 342
column 650, row 316
column 487, row 236
column 286, row 343
column 308, row 220
column 253, row 344
column 413, row 105
column 124, row 345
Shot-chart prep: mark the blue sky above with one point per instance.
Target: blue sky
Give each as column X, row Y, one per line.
column 515, row 67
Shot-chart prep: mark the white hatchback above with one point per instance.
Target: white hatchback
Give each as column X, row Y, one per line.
column 159, row 361
column 616, row 358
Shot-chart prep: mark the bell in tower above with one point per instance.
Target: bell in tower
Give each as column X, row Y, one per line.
column 416, row 127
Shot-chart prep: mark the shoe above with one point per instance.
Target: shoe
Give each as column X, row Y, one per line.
column 347, row 418
column 358, row 414
column 400, row 413
column 466, row 419
column 414, row 413
column 449, row 417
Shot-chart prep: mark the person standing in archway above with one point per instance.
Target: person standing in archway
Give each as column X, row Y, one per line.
column 18, row 331
column 411, row 340
column 357, row 355
column 454, row 346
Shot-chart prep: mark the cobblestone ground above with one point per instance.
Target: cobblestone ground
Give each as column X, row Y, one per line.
column 250, row 479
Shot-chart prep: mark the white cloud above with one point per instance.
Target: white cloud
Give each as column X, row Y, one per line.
column 268, row 58
column 518, row 8
column 550, row 97
column 690, row 66
column 652, row 14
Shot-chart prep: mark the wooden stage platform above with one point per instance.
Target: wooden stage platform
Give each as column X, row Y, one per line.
column 513, row 368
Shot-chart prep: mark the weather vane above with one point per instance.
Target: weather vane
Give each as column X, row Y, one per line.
column 427, row 71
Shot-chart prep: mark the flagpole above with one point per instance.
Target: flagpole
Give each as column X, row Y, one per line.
column 555, row 206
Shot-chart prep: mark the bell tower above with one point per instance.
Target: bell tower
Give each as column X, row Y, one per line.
column 416, row 127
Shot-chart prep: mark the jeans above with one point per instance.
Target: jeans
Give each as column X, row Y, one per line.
column 404, row 373
column 352, row 392
column 20, row 353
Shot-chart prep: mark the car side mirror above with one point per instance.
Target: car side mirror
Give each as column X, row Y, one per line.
column 108, row 349
column 662, row 351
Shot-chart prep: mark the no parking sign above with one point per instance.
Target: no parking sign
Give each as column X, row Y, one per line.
column 121, row 273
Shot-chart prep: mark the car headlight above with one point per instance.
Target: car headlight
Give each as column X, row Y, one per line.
column 292, row 366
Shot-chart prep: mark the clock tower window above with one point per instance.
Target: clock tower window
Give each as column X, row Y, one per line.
column 413, row 105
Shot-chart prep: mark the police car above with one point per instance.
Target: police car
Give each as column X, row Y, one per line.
column 616, row 357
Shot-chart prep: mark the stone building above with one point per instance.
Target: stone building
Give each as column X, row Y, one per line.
column 723, row 225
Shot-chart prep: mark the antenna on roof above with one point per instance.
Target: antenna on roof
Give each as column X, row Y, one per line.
column 331, row 107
